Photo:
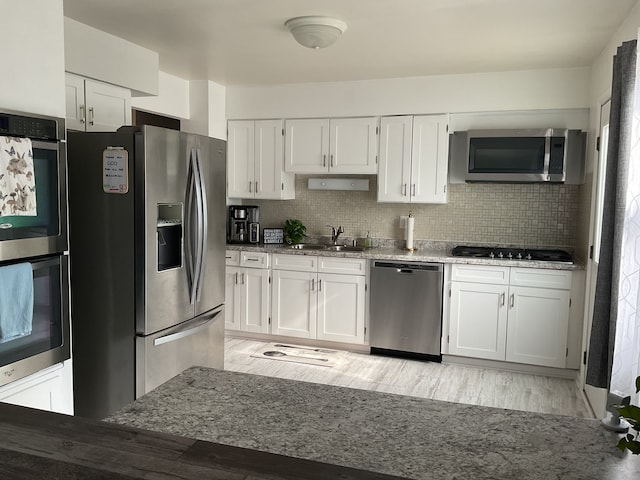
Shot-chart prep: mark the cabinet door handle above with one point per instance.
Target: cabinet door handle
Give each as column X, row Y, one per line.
column 250, row 187
column 513, row 300
column 313, row 284
column 324, row 160
column 413, row 190
column 256, row 187
column 502, row 299
column 83, row 116
column 332, row 160
column 404, row 190
column 91, row 122
column 236, row 280
column 320, row 285
column 243, row 277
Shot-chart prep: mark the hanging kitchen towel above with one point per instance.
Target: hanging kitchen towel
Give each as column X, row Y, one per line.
column 16, row 301
column 17, row 177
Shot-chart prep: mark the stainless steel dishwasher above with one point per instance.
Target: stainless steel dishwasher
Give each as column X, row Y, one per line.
column 406, row 308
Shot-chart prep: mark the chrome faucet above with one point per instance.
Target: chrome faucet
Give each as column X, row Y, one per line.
column 335, row 233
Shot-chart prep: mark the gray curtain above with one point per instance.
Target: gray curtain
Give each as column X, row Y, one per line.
column 605, row 312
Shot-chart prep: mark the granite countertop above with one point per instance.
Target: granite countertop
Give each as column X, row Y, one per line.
column 393, row 434
column 426, row 254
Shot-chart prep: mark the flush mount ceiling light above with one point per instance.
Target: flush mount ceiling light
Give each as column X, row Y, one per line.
column 315, row 32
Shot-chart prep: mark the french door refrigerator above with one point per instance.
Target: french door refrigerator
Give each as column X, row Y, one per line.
column 146, row 218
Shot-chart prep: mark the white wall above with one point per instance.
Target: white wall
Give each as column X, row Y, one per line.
column 32, row 77
column 500, row 91
column 207, row 102
column 172, row 99
column 92, row 53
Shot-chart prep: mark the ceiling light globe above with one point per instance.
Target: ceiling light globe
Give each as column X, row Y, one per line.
column 315, row 32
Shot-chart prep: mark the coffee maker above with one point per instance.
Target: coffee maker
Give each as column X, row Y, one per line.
column 242, row 224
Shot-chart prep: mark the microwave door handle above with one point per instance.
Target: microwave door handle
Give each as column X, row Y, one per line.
column 547, row 153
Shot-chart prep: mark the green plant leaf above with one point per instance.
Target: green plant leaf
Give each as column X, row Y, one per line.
column 630, row 412
column 294, row 230
column 630, row 444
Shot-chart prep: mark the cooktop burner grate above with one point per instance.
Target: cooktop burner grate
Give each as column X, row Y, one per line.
column 544, row 255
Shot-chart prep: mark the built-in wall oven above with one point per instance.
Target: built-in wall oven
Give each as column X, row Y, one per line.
column 34, row 319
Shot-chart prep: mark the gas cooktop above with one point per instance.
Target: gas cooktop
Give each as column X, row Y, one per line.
column 506, row 253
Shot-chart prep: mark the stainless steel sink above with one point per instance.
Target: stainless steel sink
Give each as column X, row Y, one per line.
column 307, row 246
column 344, row 248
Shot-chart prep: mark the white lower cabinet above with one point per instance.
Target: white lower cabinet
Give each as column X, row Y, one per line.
column 478, row 320
column 512, row 314
column 341, row 308
column 51, row 390
column 537, row 328
column 318, row 297
column 247, row 293
column 294, row 304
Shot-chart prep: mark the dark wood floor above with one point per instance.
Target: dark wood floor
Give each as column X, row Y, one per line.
column 43, row 445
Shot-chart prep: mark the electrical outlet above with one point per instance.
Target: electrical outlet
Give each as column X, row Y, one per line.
column 403, row 221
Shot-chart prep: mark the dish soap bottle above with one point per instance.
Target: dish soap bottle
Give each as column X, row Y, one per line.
column 368, row 242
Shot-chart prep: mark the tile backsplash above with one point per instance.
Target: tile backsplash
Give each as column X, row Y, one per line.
column 541, row 215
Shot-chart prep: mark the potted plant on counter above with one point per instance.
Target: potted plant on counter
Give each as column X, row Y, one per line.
column 294, row 231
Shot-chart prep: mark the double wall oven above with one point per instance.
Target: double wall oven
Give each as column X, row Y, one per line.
column 34, row 239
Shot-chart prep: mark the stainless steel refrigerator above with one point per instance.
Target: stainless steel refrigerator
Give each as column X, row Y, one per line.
column 147, row 234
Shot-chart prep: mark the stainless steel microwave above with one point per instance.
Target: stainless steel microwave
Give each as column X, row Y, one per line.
column 520, row 156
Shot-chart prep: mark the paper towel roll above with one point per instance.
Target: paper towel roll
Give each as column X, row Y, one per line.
column 410, row 224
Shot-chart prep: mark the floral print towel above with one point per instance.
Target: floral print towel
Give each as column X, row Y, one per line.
column 17, row 177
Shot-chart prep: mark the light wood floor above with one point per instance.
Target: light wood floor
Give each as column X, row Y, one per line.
column 452, row 383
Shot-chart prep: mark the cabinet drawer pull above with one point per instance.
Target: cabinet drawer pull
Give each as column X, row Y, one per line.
column 324, row 160
column 236, row 279
column 513, row 300
column 253, row 259
column 250, row 187
column 83, row 116
column 256, row 187
column 320, row 285
column 313, row 284
column 91, row 122
column 332, row 160
column 502, row 299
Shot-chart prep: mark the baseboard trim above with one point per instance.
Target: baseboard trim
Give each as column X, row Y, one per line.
column 510, row 367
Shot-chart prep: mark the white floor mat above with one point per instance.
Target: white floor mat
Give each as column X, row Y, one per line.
column 286, row 352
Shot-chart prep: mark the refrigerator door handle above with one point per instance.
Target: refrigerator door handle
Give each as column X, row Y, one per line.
column 190, row 230
column 192, row 330
column 197, row 261
column 203, row 227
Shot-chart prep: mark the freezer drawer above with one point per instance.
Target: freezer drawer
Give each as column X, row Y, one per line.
column 163, row 355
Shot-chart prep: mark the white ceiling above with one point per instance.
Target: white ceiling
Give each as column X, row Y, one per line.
column 244, row 42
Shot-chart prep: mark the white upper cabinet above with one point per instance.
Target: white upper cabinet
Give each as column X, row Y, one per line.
column 353, row 145
column 414, row 158
column 95, row 106
column 255, row 161
column 337, row 145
